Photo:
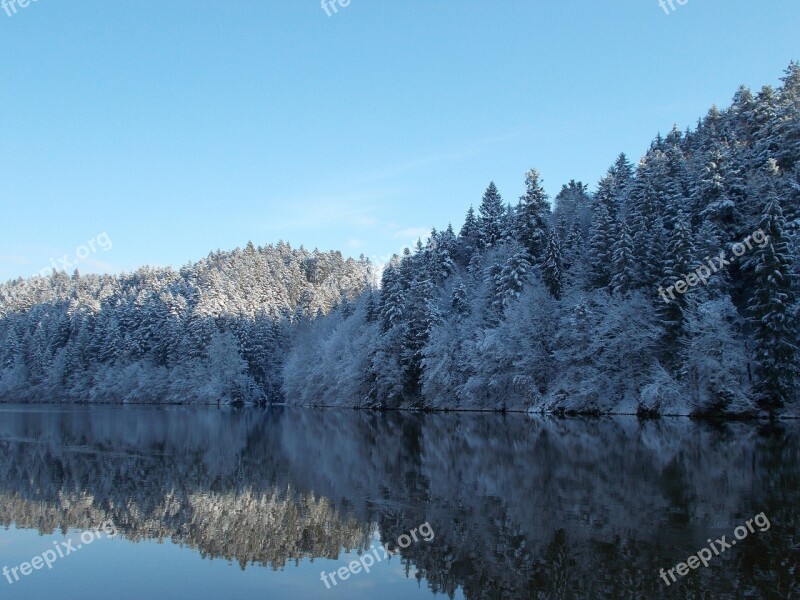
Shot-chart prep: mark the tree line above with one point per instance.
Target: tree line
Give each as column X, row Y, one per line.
column 562, row 309
column 528, row 306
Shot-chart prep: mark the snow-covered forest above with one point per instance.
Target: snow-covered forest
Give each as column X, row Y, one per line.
column 536, row 305
column 566, row 309
column 213, row 331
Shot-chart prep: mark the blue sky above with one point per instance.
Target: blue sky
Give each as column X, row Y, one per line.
column 179, row 127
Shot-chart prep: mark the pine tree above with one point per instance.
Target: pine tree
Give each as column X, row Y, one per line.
column 460, row 302
column 573, row 249
column 423, row 316
column 572, row 205
column 601, row 241
column 678, row 264
column 552, row 268
column 10, row 352
column 613, row 187
column 787, row 116
column 468, row 239
column 533, row 218
column 605, row 194
column 371, row 309
column 765, row 144
column 506, row 281
column 110, row 347
column 471, row 228
column 441, row 247
column 679, row 257
column 492, row 213
column 391, row 302
column 509, row 224
column 622, row 273
column 623, row 169
column 709, row 200
column 772, row 312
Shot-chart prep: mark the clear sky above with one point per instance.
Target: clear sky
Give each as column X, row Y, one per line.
column 179, row 127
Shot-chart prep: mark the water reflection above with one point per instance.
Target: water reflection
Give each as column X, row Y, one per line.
column 521, row 508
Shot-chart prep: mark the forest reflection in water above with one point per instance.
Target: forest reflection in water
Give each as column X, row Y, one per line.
column 521, row 507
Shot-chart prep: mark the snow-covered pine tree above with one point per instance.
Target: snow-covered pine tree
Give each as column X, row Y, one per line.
column 533, row 218
column 552, row 267
column 492, row 214
column 423, row 316
column 678, row 263
column 601, row 242
column 470, row 229
column 468, row 239
column 573, row 249
column 765, row 144
column 460, row 301
column 572, row 205
column 390, row 306
column 787, row 119
column 772, row 311
column 623, row 262
column 505, row 281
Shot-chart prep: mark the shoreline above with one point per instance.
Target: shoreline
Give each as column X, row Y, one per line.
column 763, row 418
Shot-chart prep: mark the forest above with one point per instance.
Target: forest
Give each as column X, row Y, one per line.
column 669, row 288
column 212, row 332
column 570, row 309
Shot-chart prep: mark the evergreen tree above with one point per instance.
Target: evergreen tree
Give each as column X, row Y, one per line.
column 460, row 302
column 765, row 144
column 440, row 248
column 10, row 351
column 552, row 268
column 509, row 225
column 786, row 130
column 573, row 249
column 492, row 214
column 601, row 243
column 468, row 239
column 772, row 309
column 391, row 302
column 371, row 309
column 678, row 263
column 709, row 200
column 470, row 228
column 622, row 273
column 533, row 218
column 423, row 316
column 623, row 170
column 573, row 205
column 506, row 282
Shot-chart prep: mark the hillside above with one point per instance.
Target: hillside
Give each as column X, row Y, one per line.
column 215, row 331
column 671, row 289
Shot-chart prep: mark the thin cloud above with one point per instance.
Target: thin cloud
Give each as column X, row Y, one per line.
column 452, row 155
column 322, row 212
column 412, row 233
column 14, row 260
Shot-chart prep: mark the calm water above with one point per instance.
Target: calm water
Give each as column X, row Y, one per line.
column 210, row 503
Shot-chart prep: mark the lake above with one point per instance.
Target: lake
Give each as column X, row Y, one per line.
column 185, row 503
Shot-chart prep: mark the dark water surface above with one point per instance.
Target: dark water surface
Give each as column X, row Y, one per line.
column 223, row 503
